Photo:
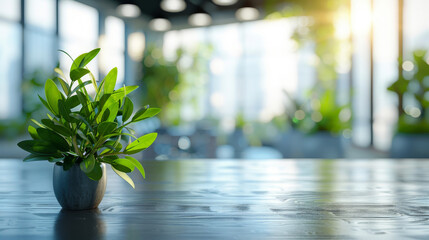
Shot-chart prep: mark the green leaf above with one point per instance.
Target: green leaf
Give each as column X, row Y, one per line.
column 33, row 132
column 123, row 165
column 109, row 111
column 76, row 62
column 80, row 86
column 141, row 143
column 82, row 135
column 52, row 95
column 55, row 160
column 72, row 102
column 128, row 109
column 37, row 123
column 78, row 73
column 137, row 164
column 113, row 99
column 94, row 83
column 103, row 100
column 46, row 104
column 37, row 147
column 145, row 113
column 108, row 149
column 57, row 128
column 140, row 112
column 106, row 128
column 110, row 81
column 82, row 119
column 119, row 134
column 63, row 110
column 110, row 159
column 60, row 72
column 113, row 112
column 84, row 101
column 68, row 162
column 96, row 173
column 64, row 85
column 37, row 157
column 54, row 138
column 124, row 176
column 87, row 164
column 88, row 57
column 123, row 91
column 105, row 115
column 34, row 157
column 83, row 59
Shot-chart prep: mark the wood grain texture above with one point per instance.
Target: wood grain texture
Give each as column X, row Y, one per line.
column 228, row 199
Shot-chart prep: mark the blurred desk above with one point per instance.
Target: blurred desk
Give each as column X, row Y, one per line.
column 228, row 199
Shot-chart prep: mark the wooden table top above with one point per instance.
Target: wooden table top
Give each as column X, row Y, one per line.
column 228, row 199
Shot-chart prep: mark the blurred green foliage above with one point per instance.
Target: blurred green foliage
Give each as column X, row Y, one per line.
column 176, row 85
column 160, row 77
column 321, row 110
column 318, row 113
column 414, row 87
column 31, row 86
column 410, row 125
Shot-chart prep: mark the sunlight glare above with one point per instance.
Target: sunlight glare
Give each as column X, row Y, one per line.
column 361, row 16
column 342, row 27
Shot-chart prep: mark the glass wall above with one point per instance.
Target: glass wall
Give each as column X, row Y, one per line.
column 10, row 59
column 361, row 23
column 40, row 36
column 382, row 16
column 77, row 34
column 251, row 70
column 113, row 45
column 29, row 47
column 385, row 57
column 248, row 71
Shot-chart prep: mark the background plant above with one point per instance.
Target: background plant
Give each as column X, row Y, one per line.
column 320, row 112
column 412, row 92
column 31, row 106
column 88, row 127
column 184, row 104
column 316, row 29
column 160, row 77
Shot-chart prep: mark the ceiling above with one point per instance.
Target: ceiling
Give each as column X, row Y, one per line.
column 220, row 14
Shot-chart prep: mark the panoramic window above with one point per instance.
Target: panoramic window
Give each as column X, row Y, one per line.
column 10, row 59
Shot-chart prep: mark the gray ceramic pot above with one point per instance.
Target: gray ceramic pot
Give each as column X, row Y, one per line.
column 75, row 191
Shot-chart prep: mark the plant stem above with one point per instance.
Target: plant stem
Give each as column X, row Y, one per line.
column 111, row 154
column 124, row 125
column 97, row 145
column 75, row 147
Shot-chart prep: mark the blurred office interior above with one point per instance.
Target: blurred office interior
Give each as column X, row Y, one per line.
column 235, row 78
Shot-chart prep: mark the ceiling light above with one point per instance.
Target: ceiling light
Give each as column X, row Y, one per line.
column 128, row 10
column 225, row 2
column 247, row 14
column 199, row 19
column 136, row 45
column 160, row 24
column 173, row 5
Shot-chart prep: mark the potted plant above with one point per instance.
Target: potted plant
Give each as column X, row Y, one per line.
column 160, row 77
column 323, row 118
column 316, row 126
column 86, row 130
column 411, row 136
